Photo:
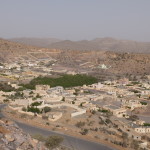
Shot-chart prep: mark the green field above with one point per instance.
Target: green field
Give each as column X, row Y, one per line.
column 65, row 81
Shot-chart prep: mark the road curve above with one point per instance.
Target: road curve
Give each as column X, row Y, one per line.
column 73, row 142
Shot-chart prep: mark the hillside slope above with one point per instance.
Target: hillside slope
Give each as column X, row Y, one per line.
column 10, row 49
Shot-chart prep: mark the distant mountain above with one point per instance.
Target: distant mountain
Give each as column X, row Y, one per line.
column 39, row 42
column 106, row 44
column 112, row 44
column 71, row 45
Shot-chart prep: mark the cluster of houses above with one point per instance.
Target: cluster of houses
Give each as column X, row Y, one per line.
column 125, row 100
column 25, row 69
column 120, row 97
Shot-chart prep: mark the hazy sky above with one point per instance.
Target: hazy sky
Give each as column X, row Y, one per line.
column 75, row 19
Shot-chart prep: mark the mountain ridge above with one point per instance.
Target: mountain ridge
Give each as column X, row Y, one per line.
column 38, row 42
column 106, row 44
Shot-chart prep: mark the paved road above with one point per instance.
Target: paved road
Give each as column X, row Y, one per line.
column 69, row 141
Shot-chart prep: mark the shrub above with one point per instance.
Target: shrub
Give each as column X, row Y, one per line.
column 80, row 124
column 6, row 87
column 53, row 142
column 31, row 92
column 84, row 131
column 47, row 109
column 91, row 123
column 38, row 96
column 135, row 91
column 143, row 103
column 73, row 102
column 39, row 137
column 36, row 104
column 146, row 124
column 47, row 123
column 103, row 110
column 101, row 122
column 135, row 82
column 24, row 109
column 124, row 135
column 34, row 98
column 108, row 121
column 33, row 109
column 6, row 100
column 75, row 93
column 23, row 115
column 45, row 117
column 63, row 99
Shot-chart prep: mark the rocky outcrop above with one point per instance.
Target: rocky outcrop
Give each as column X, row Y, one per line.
column 13, row 138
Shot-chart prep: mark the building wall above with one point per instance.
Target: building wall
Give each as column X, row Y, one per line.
column 78, row 113
column 142, row 130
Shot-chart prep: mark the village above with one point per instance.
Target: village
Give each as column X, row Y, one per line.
column 118, row 108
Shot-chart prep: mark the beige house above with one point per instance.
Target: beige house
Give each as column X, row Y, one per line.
column 131, row 103
column 141, row 129
column 117, row 111
column 42, row 87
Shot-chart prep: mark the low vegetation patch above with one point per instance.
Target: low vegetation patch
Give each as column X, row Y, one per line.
column 6, row 88
column 46, row 109
column 84, row 131
column 146, row 124
column 80, row 124
column 36, row 104
column 143, row 103
column 33, row 109
column 53, row 142
column 103, row 110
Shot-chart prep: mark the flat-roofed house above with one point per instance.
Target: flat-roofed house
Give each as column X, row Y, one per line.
column 117, row 111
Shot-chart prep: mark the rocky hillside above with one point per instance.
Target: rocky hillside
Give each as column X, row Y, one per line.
column 12, row 138
column 10, row 49
column 117, row 63
column 126, row 63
